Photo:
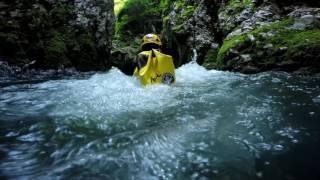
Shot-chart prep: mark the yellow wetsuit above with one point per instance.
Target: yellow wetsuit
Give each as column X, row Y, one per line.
column 155, row 67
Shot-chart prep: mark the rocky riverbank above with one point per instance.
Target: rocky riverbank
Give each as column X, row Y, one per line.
column 270, row 36
column 247, row 36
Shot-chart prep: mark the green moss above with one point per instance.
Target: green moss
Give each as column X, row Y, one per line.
column 185, row 11
column 121, row 23
column 178, row 29
column 165, row 5
column 284, row 36
column 231, row 10
column 188, row 11
column 298, row 43
column 239, row 5
column 118, row 5
column 295, row 41
column 137, row 15
column 276, row 26
column 227, row 45
column 280, row 27
column 210, row 59
column 180, row 4
column 56, row 49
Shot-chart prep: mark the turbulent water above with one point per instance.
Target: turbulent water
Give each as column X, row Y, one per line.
column 209, row 125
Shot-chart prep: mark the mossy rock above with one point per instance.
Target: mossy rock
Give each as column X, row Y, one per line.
column 231, row 11
column 138, row 17
column 210, row 59
column 55, row 51
column 276, row 46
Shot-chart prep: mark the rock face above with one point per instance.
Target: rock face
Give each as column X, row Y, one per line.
column 249, row 36
column 189, row 26
column 268, row 35
column 57, row 33
column 184, row 26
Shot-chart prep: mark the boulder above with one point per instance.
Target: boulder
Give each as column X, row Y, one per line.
column 57, row 33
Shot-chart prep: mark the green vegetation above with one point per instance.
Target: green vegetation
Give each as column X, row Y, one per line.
column 134, row 19
column 239, row 5
column 232, row 9
column 135, row 15
column 210, row 57
column 118, row 5
column 55, row 50
column 165, row 6
column 184, row 12
column 280, row 35
column 227, row 45
column 142, row 16
column 238, row 40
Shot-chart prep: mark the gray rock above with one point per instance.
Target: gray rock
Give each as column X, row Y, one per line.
column 234, row 33
column 234, row 51
column 263, row 16
column 268, row 46
column 96, row 13
column 251, row 37
column 195, row 32
column 5, row 69
column 302, row 11
column 283, row 48
column 59, row 33
column 214, row 46
column 250, row 69
column 267, row 34
column 244, row 15
column 306, row 21
column 246, row 57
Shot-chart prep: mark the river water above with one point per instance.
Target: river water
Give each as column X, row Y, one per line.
column 209, row 125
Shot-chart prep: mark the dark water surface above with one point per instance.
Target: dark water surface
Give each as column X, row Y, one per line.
column 210, row 125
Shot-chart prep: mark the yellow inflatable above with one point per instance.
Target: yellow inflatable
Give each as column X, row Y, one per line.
column 159, row 69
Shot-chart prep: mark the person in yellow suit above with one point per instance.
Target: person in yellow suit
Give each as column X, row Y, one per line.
column 154, row 67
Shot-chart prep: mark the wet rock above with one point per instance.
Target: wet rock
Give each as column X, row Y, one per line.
column 232, row 53
column 268, row 34
column 302, row 11
column 268, row 46
column 194, row 30
column 234, row 33
column 5, row 69
column 124, row 59
column 249, row 69
column 274, row 47
column 251, row 37
column 306, row 22
column 244, row 15
column 57, row 33
column 246, row 57
column 283, row 48
column 251, row 19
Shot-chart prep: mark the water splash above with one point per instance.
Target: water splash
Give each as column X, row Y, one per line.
column 194, row 57
column 108, row 126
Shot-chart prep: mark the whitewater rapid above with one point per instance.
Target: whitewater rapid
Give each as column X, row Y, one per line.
column 209, row 125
